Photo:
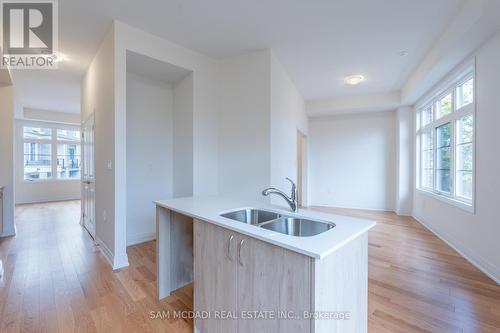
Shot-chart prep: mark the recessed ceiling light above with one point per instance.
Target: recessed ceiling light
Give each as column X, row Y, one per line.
column 354, row 79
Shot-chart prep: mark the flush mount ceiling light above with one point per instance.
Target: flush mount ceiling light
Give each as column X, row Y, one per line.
column 354, row 79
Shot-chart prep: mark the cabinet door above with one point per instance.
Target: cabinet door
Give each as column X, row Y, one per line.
column 259, row 269
column 272, row 280
column 214, row 277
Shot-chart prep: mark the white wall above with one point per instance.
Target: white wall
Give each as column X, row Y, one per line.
column 405, row 152
column 244, row 126
column 149, row 153
column 231, row 124
column 183, row 137
column 352, row 161
column 287, row 116
column 260, row 113
column 104, row 89
column 44, row 190
column 204, row 131
column 51, row 116
column 476, row 236
column 98, row 96
column 7, row 158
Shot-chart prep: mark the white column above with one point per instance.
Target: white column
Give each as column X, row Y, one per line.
column 405, row 160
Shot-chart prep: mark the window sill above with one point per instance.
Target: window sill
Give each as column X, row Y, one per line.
column 449, row 200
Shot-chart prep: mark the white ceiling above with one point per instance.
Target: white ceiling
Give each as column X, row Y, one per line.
column 319, row 42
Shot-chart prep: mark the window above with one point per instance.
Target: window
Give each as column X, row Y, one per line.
column 427, row 160
column 50, row 153
column 445, row 142
column 443, row 106
column 37, row 161
column 68, row 161
column 465, row 132
column 443, row 158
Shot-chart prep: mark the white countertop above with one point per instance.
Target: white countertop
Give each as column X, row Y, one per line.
column 209, row 208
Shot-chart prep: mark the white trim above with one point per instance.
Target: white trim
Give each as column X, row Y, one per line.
column 141, row 238
column 352, row 207
column 401, row 213
column 8, row 232
column 106, row 252
column 120, row 261
column 490, row 270
column 51, row 199
column 447, row 86
column 397, row 212
column 114, row 261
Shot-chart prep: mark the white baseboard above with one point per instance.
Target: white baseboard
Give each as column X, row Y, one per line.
column 120, row 261
column 48, row 200
column 354, row 207
column 116, row 262
column 141, row 238
column 490, row 270
column 8, row 232
column 399, row 213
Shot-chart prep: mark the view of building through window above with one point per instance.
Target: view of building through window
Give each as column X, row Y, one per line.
column 51, row 153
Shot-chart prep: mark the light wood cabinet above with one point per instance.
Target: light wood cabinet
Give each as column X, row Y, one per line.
column 215, row 274
column 240, row 274
column 237, row 275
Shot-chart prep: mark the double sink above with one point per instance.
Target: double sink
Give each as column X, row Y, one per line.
column 288, row 225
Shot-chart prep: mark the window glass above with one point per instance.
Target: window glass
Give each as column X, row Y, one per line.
column 464, row 152
column 427, row 160
column 443, row 106
column 465, row 93
column 37, row 133
column 426, row 115
column 443, row 158
column 66, row 135
column 68, row 161
column 37, row 161
column 445, row 134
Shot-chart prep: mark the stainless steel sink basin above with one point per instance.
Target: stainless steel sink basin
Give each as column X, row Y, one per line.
column 251, row 216
column 297, row 226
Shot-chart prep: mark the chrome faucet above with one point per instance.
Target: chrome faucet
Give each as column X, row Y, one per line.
column 292, row 200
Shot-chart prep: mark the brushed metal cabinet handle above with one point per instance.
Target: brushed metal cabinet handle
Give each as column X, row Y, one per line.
column 240, row 259
column 229, row 242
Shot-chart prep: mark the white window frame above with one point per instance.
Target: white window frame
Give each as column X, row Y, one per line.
column 53, row 142
column 456, row 79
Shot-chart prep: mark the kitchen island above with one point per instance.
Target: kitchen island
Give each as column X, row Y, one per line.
column 251, row 276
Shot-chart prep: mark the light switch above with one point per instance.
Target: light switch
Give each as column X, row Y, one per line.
column 110, row 165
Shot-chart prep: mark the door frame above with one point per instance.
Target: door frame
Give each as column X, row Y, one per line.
column 90, row 121
column 301, row 168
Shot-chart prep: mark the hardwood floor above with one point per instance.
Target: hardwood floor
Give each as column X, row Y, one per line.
column 56, row 280
column 417, row 283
